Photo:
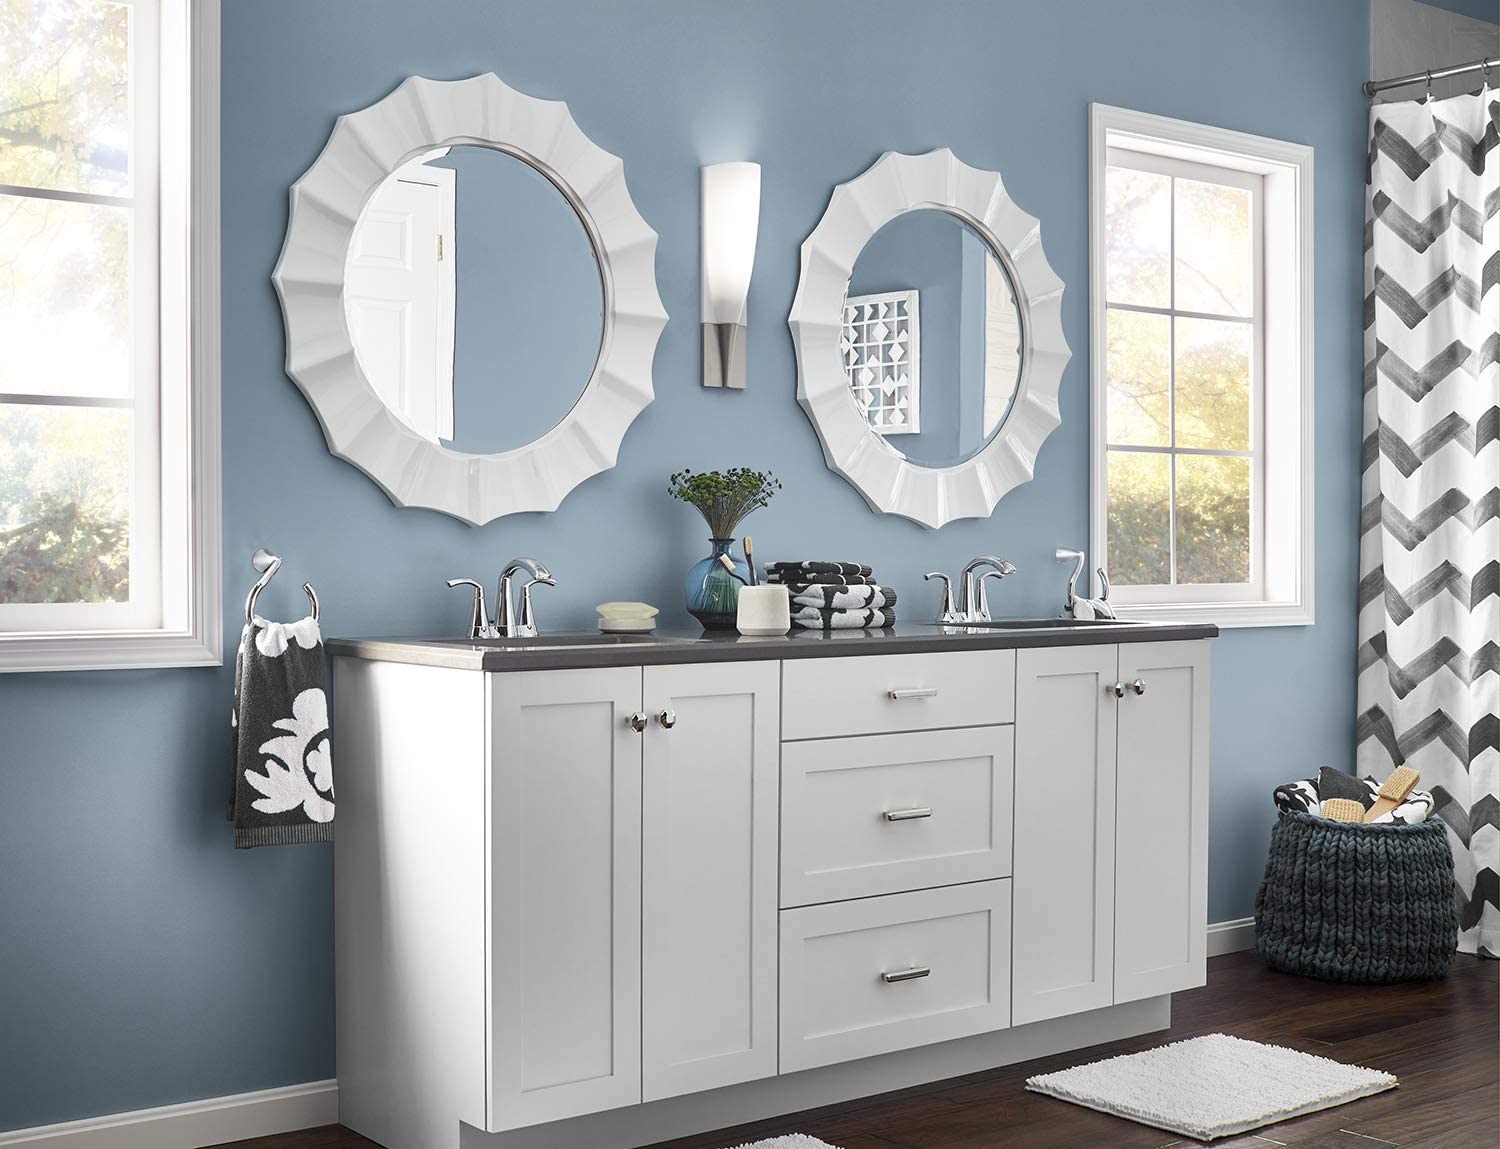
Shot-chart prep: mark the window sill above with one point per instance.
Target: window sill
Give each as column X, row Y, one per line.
column 130, row 651
column 1225, row 615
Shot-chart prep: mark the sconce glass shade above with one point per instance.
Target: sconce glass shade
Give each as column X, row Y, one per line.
column 730, row 212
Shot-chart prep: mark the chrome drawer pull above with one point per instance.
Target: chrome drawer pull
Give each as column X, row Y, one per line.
column 914, row 692
column 916, row 971
column 907, row 815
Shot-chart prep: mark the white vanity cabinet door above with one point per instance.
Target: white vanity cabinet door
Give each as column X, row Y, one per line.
column 1161, row 846
column 565, row 894
column 709, row 912
column 1065, row 831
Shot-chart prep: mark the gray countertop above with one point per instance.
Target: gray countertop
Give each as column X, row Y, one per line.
column 582, row 651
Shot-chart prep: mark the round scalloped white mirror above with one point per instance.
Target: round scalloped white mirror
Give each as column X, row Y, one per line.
column 929, row 337
column 469, row 183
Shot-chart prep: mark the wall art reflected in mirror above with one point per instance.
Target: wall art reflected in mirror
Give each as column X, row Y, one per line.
column 473, row 299
column 933, row 338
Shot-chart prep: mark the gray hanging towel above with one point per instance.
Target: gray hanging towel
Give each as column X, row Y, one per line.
column 282, row 790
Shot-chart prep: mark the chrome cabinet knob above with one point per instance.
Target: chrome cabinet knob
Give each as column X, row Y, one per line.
column 636, row 722
column 667, row 719
column 1139, row 686
column 1117, row 689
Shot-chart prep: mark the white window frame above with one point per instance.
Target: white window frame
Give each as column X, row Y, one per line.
column 1280, row 175
column 176, row 377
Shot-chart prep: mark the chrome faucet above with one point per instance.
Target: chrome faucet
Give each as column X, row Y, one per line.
column 973, row 603
column 506, row 623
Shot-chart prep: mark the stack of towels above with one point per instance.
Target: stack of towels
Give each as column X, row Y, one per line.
column 834, row 596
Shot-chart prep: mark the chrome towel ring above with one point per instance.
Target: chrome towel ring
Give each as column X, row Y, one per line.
column 268, row 564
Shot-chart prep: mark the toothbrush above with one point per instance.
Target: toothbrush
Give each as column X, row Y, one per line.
column 750, row 562
column 729, row 566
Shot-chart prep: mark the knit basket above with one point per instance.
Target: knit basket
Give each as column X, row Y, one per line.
column 1346, row 901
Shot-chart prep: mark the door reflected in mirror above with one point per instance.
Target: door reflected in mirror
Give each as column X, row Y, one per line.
column 474, row 299
column 932, row 338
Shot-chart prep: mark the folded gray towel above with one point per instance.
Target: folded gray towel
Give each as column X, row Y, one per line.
column 834, row 597
column 817, row 618
column 818, row 568
column 796, row 582
column 282, row 789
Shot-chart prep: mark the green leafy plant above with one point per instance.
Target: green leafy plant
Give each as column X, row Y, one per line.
column 724, row 498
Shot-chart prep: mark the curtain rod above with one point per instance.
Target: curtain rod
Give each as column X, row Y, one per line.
column 1484, row 65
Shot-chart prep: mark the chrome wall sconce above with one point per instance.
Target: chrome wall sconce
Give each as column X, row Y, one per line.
column 730, row 218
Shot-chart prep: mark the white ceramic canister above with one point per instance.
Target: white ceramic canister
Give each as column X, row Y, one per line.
column 764, row 610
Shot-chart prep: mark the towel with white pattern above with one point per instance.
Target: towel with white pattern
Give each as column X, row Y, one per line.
column 832, row 597
column 790, row 570
column 1306, row 796
column 820, row 618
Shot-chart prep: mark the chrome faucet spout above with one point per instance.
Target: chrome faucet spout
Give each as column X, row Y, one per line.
column 973, row 605
column 507, row 625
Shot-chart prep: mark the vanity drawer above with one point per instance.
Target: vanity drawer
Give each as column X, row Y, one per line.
column 884, row 813
column 884, row 693
column 880, row 974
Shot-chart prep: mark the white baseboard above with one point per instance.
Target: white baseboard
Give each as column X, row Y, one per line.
column 193, row 1124
column 1226, row 937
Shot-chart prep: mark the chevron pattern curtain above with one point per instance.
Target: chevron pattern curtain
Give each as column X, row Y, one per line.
column 1429, row 595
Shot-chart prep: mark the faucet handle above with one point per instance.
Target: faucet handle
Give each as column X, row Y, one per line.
column 947, row 614
column 479, row 618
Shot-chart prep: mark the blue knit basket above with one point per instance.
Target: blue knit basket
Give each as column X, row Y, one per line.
column 1346, row 901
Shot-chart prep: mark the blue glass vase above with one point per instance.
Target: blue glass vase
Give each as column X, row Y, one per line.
column 713, row 594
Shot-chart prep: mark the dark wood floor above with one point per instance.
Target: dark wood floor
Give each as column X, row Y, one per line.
column 1442, row 1039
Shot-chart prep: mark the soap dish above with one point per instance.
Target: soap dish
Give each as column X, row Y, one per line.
column 627, row 617
column 627, row 625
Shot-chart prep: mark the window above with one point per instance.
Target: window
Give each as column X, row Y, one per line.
column 108, row 325
column 1200, row 290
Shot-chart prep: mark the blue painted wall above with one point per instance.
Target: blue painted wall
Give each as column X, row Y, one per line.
column 142, row 960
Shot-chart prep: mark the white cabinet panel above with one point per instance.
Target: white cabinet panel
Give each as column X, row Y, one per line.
column 565, row 894
column 879, row 974
column 880, row 694
column 709, row 876
column 1065, row 830
column 891, row 812
column 1161, row 847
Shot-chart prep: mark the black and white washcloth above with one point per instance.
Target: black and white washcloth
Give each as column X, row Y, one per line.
column 282, row 788
column 1306, row 796
column 820, row 618
column 788, row 570
column 834, row 597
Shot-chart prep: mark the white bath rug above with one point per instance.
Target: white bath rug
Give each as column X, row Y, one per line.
column 1213, row 1086
column 795, row 1141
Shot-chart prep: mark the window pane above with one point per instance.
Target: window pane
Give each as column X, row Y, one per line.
column 1139, row 493
column 64, row 504
column 1137, row 237
column 1213, row 384
column 64, row 97
column 1139, row 398
column 1215, row 272
column 64, row 298
column 1213, row 519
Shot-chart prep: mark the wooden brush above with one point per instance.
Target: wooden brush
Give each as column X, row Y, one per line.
column 1393, row 792
column 1342, row 810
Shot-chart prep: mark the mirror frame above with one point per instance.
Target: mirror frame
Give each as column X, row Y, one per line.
column 364, row 148
column 892, row 186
